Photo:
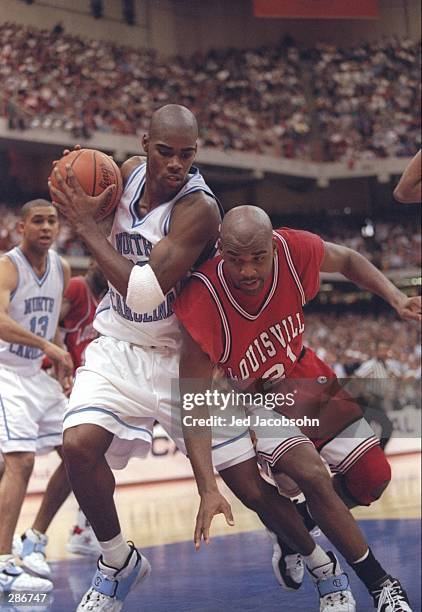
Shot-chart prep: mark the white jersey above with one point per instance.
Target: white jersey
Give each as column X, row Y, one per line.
column 134, row 238
column 35, row 305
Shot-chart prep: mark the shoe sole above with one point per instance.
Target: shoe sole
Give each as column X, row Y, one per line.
column 276, row 560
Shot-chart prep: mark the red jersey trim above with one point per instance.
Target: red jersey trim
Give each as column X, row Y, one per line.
column 291, row 266
column 233, row 301
column 223, row 317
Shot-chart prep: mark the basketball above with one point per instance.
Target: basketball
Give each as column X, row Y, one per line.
column 95, row 171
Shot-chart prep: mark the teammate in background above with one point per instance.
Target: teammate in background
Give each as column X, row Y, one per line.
column 32, row 280
column 409, row 188
column 243, row 311
column 80, row 302
column 166, row 221
column 379, row 374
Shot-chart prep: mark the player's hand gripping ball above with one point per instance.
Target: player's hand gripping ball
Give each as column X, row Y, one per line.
column 94, row 171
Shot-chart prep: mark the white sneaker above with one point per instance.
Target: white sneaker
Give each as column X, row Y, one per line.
column 333, row 587
column 82, row 541
column 288, row 568
column 13, row 578
column 31, row 550
column 111, row 586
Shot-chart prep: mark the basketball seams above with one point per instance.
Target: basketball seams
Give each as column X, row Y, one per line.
column 94, row 183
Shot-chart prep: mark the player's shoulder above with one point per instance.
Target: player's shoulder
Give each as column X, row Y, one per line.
column 130, row 165
column 198, row 205
column 8, row 271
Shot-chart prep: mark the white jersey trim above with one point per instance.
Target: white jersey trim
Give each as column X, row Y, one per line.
column 291, row 266
column 223, row 317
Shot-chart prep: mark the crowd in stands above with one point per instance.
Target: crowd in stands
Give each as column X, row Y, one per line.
column 345, row 340
column 367, row 99
column 326, row 103
column 394, row 246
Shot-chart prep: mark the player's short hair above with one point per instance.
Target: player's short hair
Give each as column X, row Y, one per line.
column 26, row 208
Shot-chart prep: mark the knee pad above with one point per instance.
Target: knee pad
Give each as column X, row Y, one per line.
column 367, row 479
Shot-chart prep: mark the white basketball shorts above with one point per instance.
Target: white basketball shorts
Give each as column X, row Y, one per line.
column 124, row 388
column 31, row 412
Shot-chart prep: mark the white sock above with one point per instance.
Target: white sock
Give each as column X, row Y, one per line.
column 115, row 551
column 317, row 558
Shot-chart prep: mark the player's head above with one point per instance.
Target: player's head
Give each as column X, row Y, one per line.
column 247, row 247
column 382, row 350
column 170, row 146
column 38, row 224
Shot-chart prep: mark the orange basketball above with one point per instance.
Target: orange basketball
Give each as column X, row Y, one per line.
column 95, row 171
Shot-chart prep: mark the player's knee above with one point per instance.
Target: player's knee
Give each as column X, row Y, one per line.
column 252, row 496
column 368, row 478
column 77, row 450
column 312, row 479
column 20, row 464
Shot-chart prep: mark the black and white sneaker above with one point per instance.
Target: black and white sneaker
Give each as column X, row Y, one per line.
column 288, row 565
column 390, row 596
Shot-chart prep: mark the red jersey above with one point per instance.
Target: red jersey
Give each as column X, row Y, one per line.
column 77, row 325
column 260, row 338
column 264, row 343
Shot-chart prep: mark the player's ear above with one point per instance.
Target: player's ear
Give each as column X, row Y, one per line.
column 145, row 142
column 219, row 247
column 274, row 246
column 20, row 226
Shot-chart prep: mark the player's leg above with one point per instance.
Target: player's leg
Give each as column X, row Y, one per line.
column 56, row 493
column 18, row 432
column 280, row 516
column 95, row 423
column 91, row 478
column 363, row 473
column 18, row 468
column 31, row 545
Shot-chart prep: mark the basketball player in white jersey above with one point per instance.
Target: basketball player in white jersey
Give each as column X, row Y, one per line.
column 166, row 221
column 32, row 281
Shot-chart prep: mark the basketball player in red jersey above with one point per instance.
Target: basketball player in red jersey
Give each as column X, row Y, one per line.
column 80, row 302
column 243, row 311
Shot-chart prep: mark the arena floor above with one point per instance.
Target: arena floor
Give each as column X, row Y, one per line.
column 234, row 571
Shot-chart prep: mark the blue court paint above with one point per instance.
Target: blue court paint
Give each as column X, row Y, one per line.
column 234, row 573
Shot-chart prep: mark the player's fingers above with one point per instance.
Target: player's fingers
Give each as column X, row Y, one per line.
column 58, row 197
column 227, row 511
column 72, row 181
column 197, row 535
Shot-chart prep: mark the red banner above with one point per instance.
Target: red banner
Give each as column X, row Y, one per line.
column 317, row 9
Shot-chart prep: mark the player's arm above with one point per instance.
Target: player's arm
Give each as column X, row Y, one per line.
column 363, row 273
column 11, row 331
column 409, row 188
column 64, row 376
column 195, row 376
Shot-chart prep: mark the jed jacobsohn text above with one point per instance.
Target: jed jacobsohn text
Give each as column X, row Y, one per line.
column 251, row 420
column 222, row 401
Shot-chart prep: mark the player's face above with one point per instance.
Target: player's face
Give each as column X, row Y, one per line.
column 170, row 156
column 40, row 227
column 248, row 267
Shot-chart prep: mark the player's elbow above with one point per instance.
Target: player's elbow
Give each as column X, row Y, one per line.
column 406, row 195
column 401, row 195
